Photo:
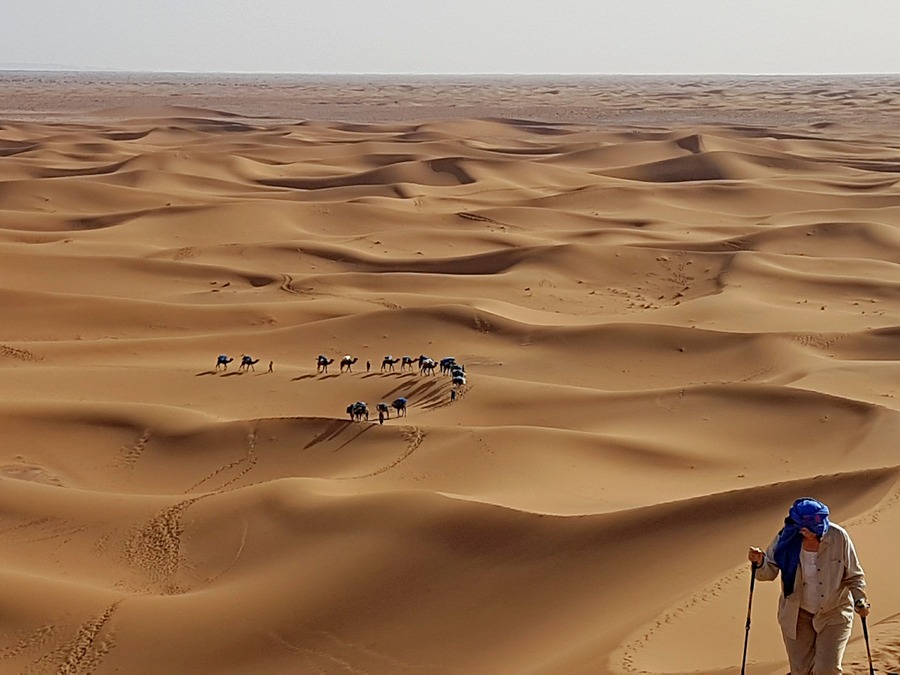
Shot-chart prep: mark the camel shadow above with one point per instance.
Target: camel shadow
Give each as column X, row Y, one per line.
column 442, row 399
column 332, row 430
column 232, row 374
column 368, row 425
column 205, row 372
column 329, row 376
column 308, row 376
column 412, row 391
column 335, row 429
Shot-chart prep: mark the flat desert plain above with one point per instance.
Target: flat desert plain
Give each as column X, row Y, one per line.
column 676, row 303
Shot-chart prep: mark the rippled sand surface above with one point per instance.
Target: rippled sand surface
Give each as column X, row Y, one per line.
column 676, row 302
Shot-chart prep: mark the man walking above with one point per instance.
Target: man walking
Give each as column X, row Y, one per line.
column 822, row 583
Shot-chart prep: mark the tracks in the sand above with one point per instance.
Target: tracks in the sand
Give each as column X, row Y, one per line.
column 83, row 653
column 413, row 437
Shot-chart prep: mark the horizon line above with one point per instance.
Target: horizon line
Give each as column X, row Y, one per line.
column 41, row 68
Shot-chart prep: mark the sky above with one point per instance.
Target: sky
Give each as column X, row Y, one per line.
column 455, row 36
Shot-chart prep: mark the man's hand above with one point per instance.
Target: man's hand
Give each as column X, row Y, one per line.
column 862, row 607
column 756, row 556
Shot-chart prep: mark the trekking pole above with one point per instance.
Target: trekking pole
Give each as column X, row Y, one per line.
column 866, row 636
column 749, row 607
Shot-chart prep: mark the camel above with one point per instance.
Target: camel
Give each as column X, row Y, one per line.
column 388, row 363
column 447, row 363
column 346, row 362
column 406, row 362
column 357, row 411
column 322, row 363
column 247, row 363
column 428, row 366
column 399, row 404
column 422, row 359
column 458, row 380
column 457, row 369
column 223, row 361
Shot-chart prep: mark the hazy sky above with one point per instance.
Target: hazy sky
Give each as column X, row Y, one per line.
column 456, row 36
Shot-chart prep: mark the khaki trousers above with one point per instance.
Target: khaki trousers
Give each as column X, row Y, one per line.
column 814, row 653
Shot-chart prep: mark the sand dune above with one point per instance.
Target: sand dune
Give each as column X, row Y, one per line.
column 677, row 314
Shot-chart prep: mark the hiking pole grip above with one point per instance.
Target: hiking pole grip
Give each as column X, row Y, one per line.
column 753, row 567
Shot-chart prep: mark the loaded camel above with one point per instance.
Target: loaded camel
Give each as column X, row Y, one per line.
column 388, row 363
column 247, row 363
column 358, row 411
column 223, row 361
column 399, row 404
column 347, row 362
column 322, row 363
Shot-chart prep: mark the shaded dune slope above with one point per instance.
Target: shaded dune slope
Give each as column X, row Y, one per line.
column 667, row 334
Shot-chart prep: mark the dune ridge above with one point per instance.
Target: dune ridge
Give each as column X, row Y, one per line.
column 670, row 330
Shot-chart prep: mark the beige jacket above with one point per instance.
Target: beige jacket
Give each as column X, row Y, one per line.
column 840, row 575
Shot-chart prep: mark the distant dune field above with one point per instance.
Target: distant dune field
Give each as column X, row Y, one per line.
column 671, row 327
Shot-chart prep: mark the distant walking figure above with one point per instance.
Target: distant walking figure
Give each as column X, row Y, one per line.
column 452, row 395
column 383, row 411
column 223, row 361
column 368, row 366
column 271, row 366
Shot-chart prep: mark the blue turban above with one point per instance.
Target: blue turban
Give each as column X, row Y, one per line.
column 809, row 513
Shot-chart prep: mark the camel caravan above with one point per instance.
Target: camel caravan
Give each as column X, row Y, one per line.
column 247, row 363
column 359, row 410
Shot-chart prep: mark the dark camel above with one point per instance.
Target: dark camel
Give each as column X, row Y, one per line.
column 358, row 411
column 347, row 362
column 247, row 363
column 322, row 364
column 223, row 361
column 399, row 404
column 388, row 363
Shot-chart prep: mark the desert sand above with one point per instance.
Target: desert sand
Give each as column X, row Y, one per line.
column 677, row 307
